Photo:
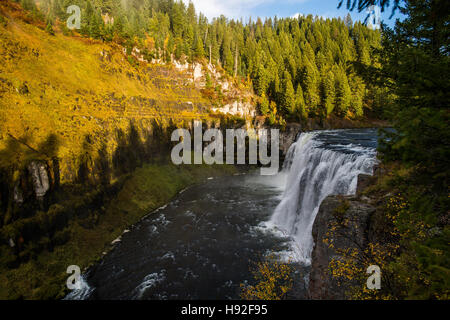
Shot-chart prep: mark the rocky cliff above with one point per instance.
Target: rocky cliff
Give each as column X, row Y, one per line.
column 342, row 227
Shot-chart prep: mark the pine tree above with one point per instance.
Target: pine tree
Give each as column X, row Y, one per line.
column 188, row 41
column 311, row 84
column 95, row 26
column 329, row 92
column 208, row 82
column 177, row 18
column 264, row 105
column 358, row 92
column 343, row 93
column 199, row 52
column 88, row 15
column 191, row 16
column 288, row 100
column 300, row 105
column 348, row 21
column 363, row 51
column 261, row 81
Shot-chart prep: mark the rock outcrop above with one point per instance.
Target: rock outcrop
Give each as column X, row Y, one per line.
column 343, row 222
column 32, row 184
column 40, row 178
column 288, row 137
column 237, row 108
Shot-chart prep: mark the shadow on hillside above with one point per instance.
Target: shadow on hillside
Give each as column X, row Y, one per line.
column 30, row 224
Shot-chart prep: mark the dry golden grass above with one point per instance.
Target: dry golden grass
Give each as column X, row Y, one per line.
column 73, row 87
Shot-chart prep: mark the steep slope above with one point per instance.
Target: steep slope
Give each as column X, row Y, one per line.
column 74, row 87
column 80, row 121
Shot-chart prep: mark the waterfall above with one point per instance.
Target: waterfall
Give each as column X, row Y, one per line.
column 313, row 173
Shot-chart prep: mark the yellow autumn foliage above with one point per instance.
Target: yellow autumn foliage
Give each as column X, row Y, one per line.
column 273, row 281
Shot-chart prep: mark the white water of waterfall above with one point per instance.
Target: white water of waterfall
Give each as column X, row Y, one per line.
column 82, row 293
column 313, row 173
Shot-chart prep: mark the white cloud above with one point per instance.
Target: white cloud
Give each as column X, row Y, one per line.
column 297, row 15
column 232, row 8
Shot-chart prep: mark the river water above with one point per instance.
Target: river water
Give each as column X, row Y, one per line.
column 203, row 244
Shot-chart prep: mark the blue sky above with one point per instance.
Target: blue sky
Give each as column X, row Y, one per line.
column 282, row 8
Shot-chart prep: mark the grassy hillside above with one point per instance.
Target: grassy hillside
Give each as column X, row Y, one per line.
column 100, row 122
column 74, row 87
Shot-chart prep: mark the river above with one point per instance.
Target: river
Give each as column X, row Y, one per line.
column 203, row 244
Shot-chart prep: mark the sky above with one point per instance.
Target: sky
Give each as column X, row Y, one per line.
column 281, row 8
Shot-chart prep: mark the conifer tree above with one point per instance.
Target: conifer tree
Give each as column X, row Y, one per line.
column 329, row 92
column 288, row 100
column 264, row 105
column 311, row 83
column 343, row 93
column 199, row 52
column 300, row 105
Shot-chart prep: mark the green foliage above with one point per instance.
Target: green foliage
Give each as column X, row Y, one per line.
column 288, row 95
column 208, row 82
column 329, row 93
column 264, row 105
column 300, row 105
column 414, row 67
column 49, row 29
column 199, row 52
column 417, row 63
column 363, row 4
column 343, row 93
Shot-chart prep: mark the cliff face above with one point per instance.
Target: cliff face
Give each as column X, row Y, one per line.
column 288, row 137
column 342, row 223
